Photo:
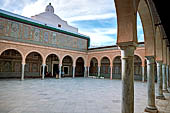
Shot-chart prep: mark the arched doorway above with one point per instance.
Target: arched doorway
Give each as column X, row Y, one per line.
column 52, row 63
column 33, row 66
column 93, row 71
column 10, row 64
column 137, row 68
column 105, row 67
column 67, row 67
column 79, row 67
column 117, row 68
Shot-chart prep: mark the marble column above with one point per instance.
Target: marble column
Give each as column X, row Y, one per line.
column 167, row 73
column 169, row 78
column 164, row 78
column 143, row 74
column 159, row 81
column 150, row 85
column 43, row 72
column 98, row 71
column 111, row 72
column 88, row 71
column 74, row 67
column 60, row 66
column 127, row 57
column 23, row 69
column 85, row 71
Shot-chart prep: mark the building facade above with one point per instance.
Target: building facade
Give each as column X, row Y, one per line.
column 37, row 48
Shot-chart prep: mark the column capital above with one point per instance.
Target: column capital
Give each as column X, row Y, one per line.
column 159, row 63
column 43, row 64
column 127, row 51
column 151, row 59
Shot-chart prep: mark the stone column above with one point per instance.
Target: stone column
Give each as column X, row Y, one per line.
column 127, row 57
column 159, row 81
column 85, row 71
column 88, row 71
column 169, row 78
column 150, row 85
column 23, row 69
column 164, row 78
column 167, row 73
column 111, row 72
column 60, row 66
column 143, row 74
column 74, row 67
column 98, row 71
column 43, row 72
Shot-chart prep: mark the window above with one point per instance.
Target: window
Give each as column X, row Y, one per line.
column 59, row 25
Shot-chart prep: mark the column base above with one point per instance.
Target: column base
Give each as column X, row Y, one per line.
column 161, row 97
column 151, row 109
column 165, row 91
column 22, row 79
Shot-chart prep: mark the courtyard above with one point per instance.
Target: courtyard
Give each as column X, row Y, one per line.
column 67, row 95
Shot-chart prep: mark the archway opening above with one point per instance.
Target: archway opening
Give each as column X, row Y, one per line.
column 137, row 68
column 93, row 67
column 79, row 67
column 105, row 67
column 67, row 67
column 117, row 68
column 52, row 63
column 10, row 64
column 33, row 66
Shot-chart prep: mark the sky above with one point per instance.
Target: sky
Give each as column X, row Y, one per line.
column 94, row 18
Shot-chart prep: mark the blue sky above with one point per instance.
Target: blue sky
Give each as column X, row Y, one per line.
column 94, row 18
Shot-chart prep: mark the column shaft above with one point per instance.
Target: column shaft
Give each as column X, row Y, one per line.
column 98, row 71
column 85, row 71
column 74, row 71
column 164, row 78
column 23, row 69
column 143, row 74
column 60, row 66
column 88, row 71
column 150, row 85
column 111, row 72
column 167, row 74
column 159, row 81
column 127, row 57
column 43, row 72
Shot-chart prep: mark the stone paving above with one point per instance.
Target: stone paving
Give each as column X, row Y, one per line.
column 67, row 95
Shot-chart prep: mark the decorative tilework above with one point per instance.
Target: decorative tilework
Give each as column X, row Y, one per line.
column 40, row 36
column 46, row 35
column 14, row 29
column 36, row 34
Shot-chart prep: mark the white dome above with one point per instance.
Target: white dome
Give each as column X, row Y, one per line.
column 49, row 8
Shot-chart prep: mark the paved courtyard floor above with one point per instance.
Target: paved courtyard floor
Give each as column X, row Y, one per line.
column 67, row 95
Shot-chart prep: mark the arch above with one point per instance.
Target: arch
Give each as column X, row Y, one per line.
column 93, row 70
column 105, row 56
column 22, row 55
column 148, row 27
column 52, row 63
column 67, row 66
column 51, row 54
column 42, row 56
column 79, row 70
column 116, row 70
column 10, row 64
column 33, row 67
column 159, row 46
column 137, row 68
column 65, row 56
column 115, row 57
column 82, row 58
column 105, row 67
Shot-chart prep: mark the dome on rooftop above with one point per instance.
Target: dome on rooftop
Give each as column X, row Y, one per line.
column 49, row 8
